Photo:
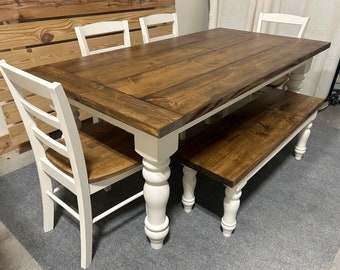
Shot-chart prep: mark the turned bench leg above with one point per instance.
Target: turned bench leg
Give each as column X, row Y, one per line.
column 231, row 201
column 300, row 148
column 189, row 183
column 231, row 205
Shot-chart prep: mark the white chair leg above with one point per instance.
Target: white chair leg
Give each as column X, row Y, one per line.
column 231, row 205
column 47, row 202
column 300, row 148
column 85, row 222
column 189, row 183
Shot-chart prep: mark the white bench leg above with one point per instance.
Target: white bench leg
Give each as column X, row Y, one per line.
column 231, row 205
column 189, row 183
column 300, row 148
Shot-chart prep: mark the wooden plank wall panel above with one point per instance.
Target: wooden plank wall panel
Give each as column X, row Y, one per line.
column 34, row 33
column 25, row 10
column 50, row 31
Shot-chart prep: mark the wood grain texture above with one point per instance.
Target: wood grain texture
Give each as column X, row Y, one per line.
column 28, row 34
column 11, row 112
column 114, row 103
column 229, row 149
column 36, row 33
column 18, row 133
column 108, row 151
column 25, row 10
column 160, row 86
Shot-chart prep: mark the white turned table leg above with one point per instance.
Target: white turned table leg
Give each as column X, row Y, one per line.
column 156, row 194
column 156, row 153
column 189, row 184
column 295, row 82
column 296, row 77
column 231, row 205
column 300, row 148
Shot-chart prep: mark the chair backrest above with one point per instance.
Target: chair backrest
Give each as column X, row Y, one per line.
column 102, row 28
column 283, row 19
column 36, row 119
column 158, row 19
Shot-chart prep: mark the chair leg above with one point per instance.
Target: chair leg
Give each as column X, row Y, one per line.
column 300, row 148
column 189, row 183
column 85, row 221
column 47, row 202
column 231, row 205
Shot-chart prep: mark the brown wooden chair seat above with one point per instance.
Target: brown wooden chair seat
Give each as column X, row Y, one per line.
column 237, row 146
column 108, row 151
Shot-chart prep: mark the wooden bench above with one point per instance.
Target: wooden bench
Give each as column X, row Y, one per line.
column 233, row 149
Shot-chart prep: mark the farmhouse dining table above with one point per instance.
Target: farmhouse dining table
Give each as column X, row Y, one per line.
column 158, row 90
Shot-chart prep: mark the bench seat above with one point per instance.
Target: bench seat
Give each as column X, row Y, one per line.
column 233, row 149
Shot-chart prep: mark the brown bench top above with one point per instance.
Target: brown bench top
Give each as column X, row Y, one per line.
column 230, row 148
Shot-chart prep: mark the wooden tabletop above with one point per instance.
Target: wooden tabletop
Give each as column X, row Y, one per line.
column 161, row 86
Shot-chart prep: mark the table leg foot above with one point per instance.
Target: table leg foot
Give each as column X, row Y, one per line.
column 156, row 234
column 156, row 194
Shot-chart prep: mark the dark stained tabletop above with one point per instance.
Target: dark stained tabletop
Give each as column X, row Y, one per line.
column 159, row 87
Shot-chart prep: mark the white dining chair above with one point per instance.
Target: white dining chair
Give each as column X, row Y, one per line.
column 280, row 18
column 275, row 20
column 84, row 161
column 146, row 23
column 101, row 28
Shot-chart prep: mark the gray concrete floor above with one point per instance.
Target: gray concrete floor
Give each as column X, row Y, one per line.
column 13, row 255
column 329, row 116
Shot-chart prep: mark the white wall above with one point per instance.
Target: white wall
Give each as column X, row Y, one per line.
column 192, row 15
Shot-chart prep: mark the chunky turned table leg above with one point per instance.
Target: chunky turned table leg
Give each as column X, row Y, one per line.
column 156, row 153
column 297, row 76
column 231, row 205
column 156, row 194
column 189, row 184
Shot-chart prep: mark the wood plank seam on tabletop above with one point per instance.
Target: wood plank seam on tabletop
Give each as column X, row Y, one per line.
column 139, row 52
column 127, row 67
column 225, row 75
